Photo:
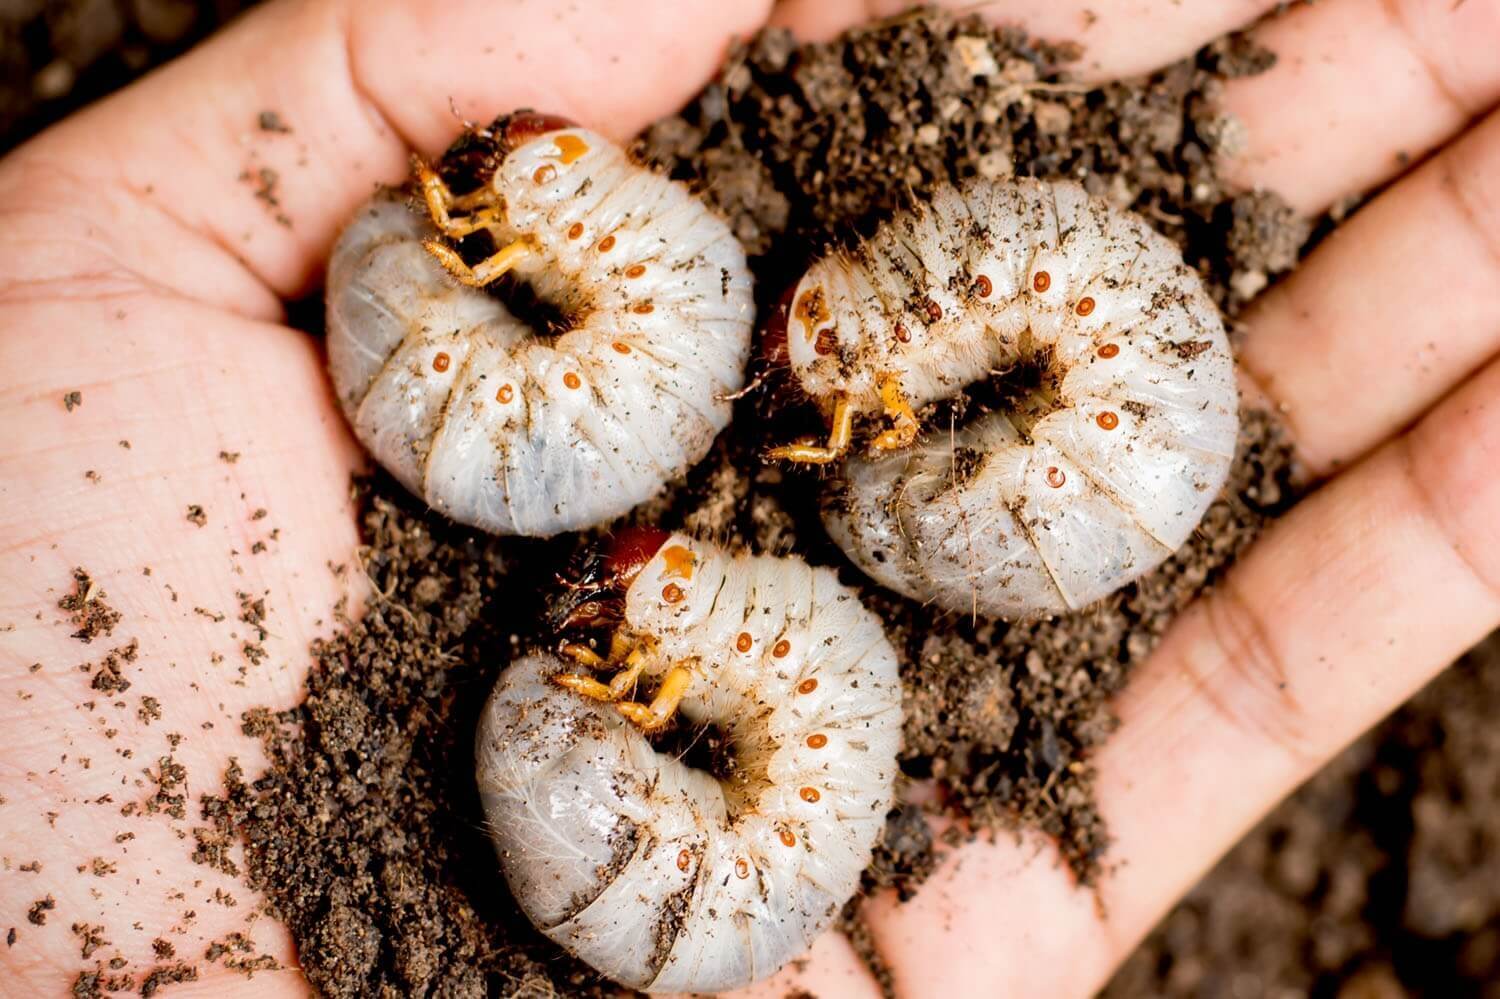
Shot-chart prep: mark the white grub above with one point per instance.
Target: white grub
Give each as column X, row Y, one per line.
column 1093, row 475
column 657, row 874
column 516, row 432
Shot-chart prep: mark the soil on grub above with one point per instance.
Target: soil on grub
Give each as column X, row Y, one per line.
column 1377, row 878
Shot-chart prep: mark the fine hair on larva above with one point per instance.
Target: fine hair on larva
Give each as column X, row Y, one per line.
column 520, row 431
column 661, row 876
column 1114, row 433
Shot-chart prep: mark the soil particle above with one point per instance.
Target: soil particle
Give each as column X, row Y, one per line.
column 72, row 400
column 196, row 515
column 168, row 974
column 37, row 914
column 110, row 678
column 87, row 609
column 91, row 938
column 270, row 121
column 171, row 789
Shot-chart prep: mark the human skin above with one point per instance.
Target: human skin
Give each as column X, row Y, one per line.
column 139, row 270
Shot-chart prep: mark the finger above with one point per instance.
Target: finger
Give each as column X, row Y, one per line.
column 1119, row 37
column 1396, row 307
column 1353, row 601
column 1360, row 89
column 167, row 182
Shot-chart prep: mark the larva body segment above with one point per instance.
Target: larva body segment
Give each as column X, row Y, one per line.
column 520, row 433
column 659, row 875
column 1091, row 476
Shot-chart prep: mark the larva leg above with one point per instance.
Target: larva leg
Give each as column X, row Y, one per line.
column 441, row 202
column 838, row 440
column 486, row 271
column 653, row 716
column 904, row 429
column 634, row 660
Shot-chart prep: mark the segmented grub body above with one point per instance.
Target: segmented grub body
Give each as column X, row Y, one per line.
column 659, row 875
column 518, row 432
column 1056, row 496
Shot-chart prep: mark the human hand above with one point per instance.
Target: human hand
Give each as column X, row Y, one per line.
column 128, row 222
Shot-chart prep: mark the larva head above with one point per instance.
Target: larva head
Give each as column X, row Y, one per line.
column 629, row 552
column 595, row 589
column 516, row 130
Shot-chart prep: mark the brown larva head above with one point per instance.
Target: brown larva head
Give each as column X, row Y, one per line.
column 593, row 593
column 515, row 130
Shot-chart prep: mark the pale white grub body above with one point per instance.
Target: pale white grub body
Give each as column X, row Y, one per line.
column 520, row 433
column 1097, row 472
column 657, row 874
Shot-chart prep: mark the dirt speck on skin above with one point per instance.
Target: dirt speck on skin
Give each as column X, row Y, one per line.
column 37, row 914
column 168, row 974
column 110, row 677
column 72, row 400
column 90, row 614
column 196, row 515
column 366, row 833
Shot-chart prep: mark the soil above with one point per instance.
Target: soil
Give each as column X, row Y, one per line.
column 1376, row 878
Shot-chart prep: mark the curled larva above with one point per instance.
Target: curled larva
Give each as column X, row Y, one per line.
column 661, row 876
column 1112, row 429
column 520, row 432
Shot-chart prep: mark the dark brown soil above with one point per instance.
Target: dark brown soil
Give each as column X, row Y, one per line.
column 1378, row 877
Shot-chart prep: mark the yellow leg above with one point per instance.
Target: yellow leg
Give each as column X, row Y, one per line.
column 486, row 271
column 663, row 705
column 838, row 440
column 621, row 653
column 441, row 202
column 904, row 428
column 619, row 685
